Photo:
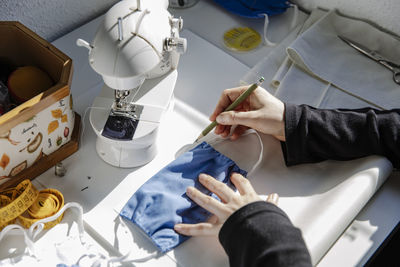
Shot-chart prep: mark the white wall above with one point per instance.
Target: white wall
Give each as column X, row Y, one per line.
column 385, row 13
column 52, row 18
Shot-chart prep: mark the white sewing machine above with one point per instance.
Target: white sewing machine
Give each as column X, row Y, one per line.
column 136, row 51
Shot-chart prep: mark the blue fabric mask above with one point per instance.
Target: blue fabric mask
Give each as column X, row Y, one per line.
column 255, row 8
column 260, row 9
column 162, row 202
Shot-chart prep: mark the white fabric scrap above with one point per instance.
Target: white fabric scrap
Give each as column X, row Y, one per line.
column 321, row 53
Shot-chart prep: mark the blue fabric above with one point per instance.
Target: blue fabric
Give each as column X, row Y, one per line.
column 162, row 202
column 255, row 8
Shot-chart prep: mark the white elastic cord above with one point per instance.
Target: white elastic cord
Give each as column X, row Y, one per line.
column 28, row 241
column 211, row 139
column 295, row 16
column 260, row 157
column 266, row 41
column 293, row 24
column 38, row 226
column 125, row 258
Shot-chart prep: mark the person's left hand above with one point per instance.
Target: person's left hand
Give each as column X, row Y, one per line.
column 231, row 201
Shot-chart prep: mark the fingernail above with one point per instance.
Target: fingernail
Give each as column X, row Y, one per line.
column 233, row 174
column 189, row 190
column 202, row 176
column 177, row 227
column 222, row 119
column 273, row 198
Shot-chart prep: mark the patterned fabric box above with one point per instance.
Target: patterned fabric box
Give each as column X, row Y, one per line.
column 43, row 130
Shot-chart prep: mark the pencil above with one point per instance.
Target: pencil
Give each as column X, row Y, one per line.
column 232, row 106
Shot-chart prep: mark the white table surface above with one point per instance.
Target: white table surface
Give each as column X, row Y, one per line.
column 381, row 214
column 362, row 237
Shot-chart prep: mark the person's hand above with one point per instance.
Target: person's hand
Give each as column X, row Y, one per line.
column 231, row 201
column 260, row 111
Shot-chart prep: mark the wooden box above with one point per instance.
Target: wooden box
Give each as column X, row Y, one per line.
column 44, row 130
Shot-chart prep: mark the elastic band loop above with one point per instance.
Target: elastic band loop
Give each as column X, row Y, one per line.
column 38, row 226
column 212, row 140
column 295, row 16
column 31, row 233
column 28, row 241
column 260, row 157
column 266, row 41
column 125, row 258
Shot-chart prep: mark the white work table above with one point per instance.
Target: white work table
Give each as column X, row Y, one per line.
column 108, row 187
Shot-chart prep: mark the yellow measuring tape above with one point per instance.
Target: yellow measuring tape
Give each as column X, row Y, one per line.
column 29, row 205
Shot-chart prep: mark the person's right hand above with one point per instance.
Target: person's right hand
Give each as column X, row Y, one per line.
column 261, row 111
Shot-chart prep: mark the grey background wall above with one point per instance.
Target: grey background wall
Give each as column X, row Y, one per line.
column 53, row 18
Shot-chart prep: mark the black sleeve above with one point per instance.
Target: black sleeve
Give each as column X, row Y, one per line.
column 314, row 135
column 261, row 234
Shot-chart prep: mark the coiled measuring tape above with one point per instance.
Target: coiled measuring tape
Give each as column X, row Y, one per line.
column 29, row 205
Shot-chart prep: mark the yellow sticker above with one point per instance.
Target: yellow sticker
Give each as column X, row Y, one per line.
column 242, row 39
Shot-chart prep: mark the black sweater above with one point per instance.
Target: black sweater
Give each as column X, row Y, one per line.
column 260, row 234
column 314, row 135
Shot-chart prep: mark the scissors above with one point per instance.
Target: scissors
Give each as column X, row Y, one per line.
column 395, row 68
